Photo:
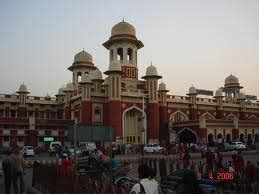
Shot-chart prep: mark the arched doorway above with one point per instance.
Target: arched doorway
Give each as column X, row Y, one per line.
column 228, row 138
column 133, row 131
column 210, row 140
column 220, row 138
column 187, row 136
column 242, row 137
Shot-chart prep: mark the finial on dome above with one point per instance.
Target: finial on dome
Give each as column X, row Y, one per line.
column 151, row 63
column 83, row 49
column 123, row 19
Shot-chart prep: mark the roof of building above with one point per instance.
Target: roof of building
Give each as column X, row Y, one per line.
column 123, row 28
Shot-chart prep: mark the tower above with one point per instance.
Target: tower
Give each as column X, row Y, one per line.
column 123, row 46
column 114, row 97
column 232, row 88
column 83, row 63
column 219, row 98
column 163, row 124
column 23, row 92
column 193, row 103
column 97, row 80
column 86, row 104
column 151, row 78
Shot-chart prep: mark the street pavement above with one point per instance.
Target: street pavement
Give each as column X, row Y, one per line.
column 132, row 173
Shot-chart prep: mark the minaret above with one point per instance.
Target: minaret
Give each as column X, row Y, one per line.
column 68, row 92
column 114, row 97
column 219, row 98
column 23, row 92
column 163, row 132
column 151, row 78
column 193, row 103
column 97, row 80
column 86, row 104
column 123, row 46
column 83, row 63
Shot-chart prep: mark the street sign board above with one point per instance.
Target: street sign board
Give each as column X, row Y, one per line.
column 204, row 92
column 45, row 139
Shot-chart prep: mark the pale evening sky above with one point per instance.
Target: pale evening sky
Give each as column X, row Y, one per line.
column 191, row 42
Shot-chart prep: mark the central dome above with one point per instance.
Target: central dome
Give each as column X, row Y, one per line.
column 231, row 80
column 83, row 57
column 123, row 28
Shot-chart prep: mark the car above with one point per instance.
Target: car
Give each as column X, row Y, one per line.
column 235, row 146
column 153, row 148
column 28, row 151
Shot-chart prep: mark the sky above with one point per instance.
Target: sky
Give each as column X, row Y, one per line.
column 191, row 42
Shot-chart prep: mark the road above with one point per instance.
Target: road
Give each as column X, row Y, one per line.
column 132, row 173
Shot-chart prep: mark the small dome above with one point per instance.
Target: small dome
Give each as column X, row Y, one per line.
column 115, row 66
column 83, row 56
column 69, row 87
column 192, row 90
column 106, row 81
column 242, row 96
column 151, row 71
column 96, row 75
column 86, row 78
column 162, row 86
column 60, row 91
column 123, row 28
column 231, row 80
column 47, row 96
column 218, row 93
column 23, row 88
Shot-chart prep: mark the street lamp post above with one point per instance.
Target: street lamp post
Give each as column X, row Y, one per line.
column 144, row 118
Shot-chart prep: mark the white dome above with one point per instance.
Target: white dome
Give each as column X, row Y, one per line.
column 231, row 80
column 115, row 66
column 162, row 86
column 83, row 56
column 192, row 90
column 86, row 78
column 151, row 71
column 242, row 96
column 60, row 91
column 47, row 96
column 106, row 81
column 218, row 93
column 23, row 88
column 69, row 87
column 96, row 75
column 123, row 28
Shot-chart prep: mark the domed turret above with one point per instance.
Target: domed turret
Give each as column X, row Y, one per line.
column 83, row 56
column 192, row 90
column 218, row 93
column 151, row 71
column 114, row 66
column 86, row 78
column 123, row 28
column 162, row 86
column 69, row 88
column 96, row 75
column 231, row 81
column 23, row 88
column 60, row 92
column 242, row 96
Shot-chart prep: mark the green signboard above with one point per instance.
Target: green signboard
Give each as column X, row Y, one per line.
column 48, row 139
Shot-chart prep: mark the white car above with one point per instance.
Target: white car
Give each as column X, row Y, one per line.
column 28, row 151
column 235, row 146
column 152, row 148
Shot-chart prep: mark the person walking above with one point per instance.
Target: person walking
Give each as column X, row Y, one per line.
column 7, row 170
column 145, row 185
column 17, row 172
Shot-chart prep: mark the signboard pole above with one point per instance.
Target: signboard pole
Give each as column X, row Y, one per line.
column 75, row 154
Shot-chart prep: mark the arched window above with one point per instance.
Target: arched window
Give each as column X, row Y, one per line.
column 178, row 117
column 119, row 54
column 129, row 54
column 210, row 139
column 79, row 76
column 97, row 114
column 228, row 138
column 111, row 55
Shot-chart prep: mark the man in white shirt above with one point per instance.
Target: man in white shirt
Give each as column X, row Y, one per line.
column 145, row 186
